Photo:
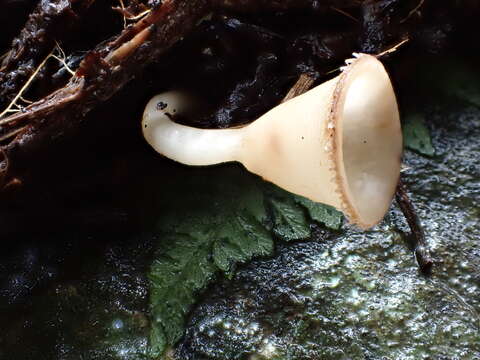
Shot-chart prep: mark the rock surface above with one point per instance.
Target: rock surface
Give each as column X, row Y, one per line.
column 360, row 295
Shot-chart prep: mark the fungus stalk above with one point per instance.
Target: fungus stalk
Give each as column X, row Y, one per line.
column 185, row 144
column 339, row 143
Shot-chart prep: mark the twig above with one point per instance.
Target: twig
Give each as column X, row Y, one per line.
column 127, row 15
column 419, row 244
column 345, row 14
column 19, row 96
column 64, row 63
column 413, row 11
column 12, row 133
column 393, row 48
column 383, row 53
column 50, row 20
column 123, row 13
column 25, row 100
column 22, row 90
column 303, row 84
column 129, row 47
column 152, row 17
column 139, row 16
column 62, row 58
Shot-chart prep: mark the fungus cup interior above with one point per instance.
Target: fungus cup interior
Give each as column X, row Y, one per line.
column 368, row 139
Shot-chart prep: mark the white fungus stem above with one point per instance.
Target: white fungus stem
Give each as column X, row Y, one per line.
column 190, row 146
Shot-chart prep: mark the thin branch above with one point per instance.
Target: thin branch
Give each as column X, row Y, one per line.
column 50, row 20
column 24, row 88
column 25, row 100
column 128, row 16
column 151, row 18
column 122, row 5
column 303, row 84
column 129, row 47
column 60, row 50
column 413, row 11
column 58, row 99
column 393, row 48
column 419, row 244
column 3, row 56
column 343, row 12
column 62, row 59
column 12, row 133
column 64, row 63
column 19, row 96
column 383, row 53
column 139, row 16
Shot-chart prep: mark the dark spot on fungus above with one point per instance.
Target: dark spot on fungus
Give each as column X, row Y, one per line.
column 302, row 137
column 161, row 105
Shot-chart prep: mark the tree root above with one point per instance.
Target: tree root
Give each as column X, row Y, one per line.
column 50, row 22
column 417, row 238
column 101, row 74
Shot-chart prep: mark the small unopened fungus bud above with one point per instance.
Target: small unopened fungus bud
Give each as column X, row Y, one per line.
column 339, row 143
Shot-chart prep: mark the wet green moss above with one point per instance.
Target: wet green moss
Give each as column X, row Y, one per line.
column 359, row 294
column 98, row 310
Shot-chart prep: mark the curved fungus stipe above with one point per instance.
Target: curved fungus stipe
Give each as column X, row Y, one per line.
column 339, row 143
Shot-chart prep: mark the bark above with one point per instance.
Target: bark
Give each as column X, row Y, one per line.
column 52, row 20
column 102, row 73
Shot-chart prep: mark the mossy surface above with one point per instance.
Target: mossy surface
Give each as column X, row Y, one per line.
column 78, row 297
column 359, row 295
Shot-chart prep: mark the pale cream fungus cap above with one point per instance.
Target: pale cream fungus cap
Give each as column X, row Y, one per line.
column 339, row 143
column 368, row 139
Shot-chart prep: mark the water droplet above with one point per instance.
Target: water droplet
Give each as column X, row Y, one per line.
column 333, row 282
column 117, row 324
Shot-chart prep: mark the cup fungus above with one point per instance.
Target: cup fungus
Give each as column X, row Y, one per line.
column 339, row 143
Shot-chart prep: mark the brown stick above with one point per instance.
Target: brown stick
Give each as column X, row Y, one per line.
column 153, row 17
column 129, row 47
column 101, row 74
column 418, row 242
column 303, row 84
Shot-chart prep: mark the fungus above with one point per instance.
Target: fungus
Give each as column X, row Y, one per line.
column 339, row 143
